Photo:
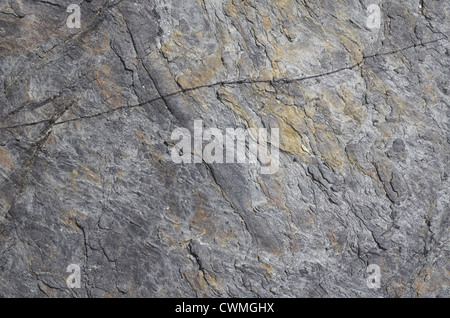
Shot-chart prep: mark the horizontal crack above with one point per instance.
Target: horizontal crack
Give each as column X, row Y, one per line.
column 228, row 83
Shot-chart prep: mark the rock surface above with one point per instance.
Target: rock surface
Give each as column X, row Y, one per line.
column 87, row 178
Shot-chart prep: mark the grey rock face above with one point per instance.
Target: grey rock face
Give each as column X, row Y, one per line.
column 87, row 176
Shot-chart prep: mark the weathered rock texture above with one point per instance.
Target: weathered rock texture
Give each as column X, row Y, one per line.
column 86, row 175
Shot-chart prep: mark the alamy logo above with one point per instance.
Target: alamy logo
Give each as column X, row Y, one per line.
column 74, row 20
column 374, row 18
column 74, row 280
column 242, row 146
column 374, row 279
